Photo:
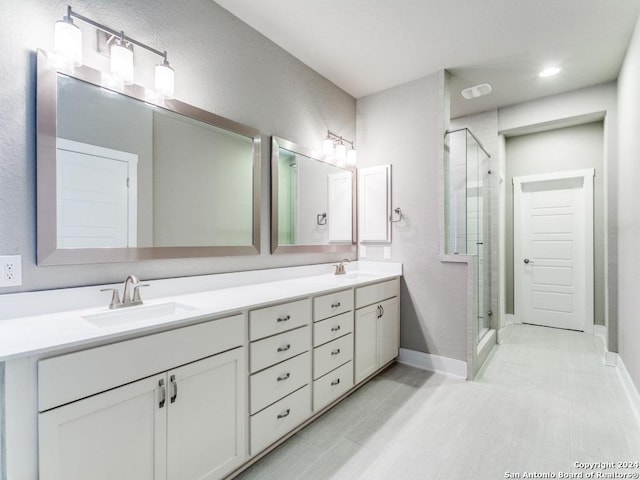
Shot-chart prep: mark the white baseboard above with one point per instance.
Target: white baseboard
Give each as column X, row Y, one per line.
column 510, row 318
column 434, row 363
column 629, row 386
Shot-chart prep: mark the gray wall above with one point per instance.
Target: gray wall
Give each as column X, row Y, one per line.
column 629, row 209
column 221, row 65
column 404, row 126
column 569, row 148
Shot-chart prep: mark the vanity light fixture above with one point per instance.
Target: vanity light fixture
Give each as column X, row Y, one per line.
column 68, row 47
column 334, row 148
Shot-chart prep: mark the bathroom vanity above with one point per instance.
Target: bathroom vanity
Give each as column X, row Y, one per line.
column 195, row 385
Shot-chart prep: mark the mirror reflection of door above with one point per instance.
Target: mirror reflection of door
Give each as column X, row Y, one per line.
column 96, row 196
column 340, row 194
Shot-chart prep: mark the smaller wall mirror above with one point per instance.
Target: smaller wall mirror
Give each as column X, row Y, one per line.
column 312, row 202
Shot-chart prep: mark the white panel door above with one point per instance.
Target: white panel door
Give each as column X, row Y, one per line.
column 206, row 417
column 553, row 260
column 117, row 434
column 96, row 201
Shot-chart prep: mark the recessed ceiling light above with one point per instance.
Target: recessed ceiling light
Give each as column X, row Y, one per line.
column 549, row 72
column 476, row 91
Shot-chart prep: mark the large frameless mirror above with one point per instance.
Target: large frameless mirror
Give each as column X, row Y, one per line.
column 124, row 177
column 312, row 202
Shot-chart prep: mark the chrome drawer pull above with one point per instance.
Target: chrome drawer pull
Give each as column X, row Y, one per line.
column 336, row 328
column 284, row 414
column 283, row 319
column 335, row 382
column 174, row 385
column 163, row 393
column 285, row 348
column 335, row 305
column 284, row 377
column 336, row 352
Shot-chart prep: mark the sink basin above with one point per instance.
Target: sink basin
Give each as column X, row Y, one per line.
column 125, row 315
column 355, row 276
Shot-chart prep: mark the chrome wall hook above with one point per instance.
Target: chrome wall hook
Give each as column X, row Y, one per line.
column 398, row 212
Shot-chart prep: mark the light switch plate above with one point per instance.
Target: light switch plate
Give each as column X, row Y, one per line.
column 363, row 251
column 10, row 270
column 387, row 253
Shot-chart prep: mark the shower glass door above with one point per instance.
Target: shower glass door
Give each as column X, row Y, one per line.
column 468, row 213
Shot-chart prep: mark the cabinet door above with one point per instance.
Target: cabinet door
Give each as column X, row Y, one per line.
column 374, row 201
column 365, row 355
column 206, row 417
column 388, row 331
column 117, row 434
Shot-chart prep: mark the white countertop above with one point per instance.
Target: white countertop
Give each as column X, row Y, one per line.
column 43, row 333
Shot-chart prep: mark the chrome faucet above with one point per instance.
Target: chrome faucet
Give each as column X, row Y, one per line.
column 129, row 299
column 339, row 269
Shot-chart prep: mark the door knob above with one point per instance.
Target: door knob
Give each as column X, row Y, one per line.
column 526, row 260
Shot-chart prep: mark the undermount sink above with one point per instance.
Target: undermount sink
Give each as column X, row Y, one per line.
column 137, row 314
column 355, row 276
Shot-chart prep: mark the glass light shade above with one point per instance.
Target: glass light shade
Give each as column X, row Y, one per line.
column 352, row 157
column 327, row 147
column 122, row 62
column 341, row 152
column 68, row 41
column 164, row 82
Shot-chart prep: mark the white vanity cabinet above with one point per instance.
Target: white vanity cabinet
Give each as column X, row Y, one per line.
column 332, row 347
column 180, row 424
column 280, row 371
column 377, row 327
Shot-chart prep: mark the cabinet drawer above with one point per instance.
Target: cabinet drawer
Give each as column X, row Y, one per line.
column 332, row 328
column 272, row 350
column 279, row 419
column 332, row 304
column 377, row 292
column 332, row 385
column 279, row 381
column 279, row 318
column 70, row 377
column 331, row 355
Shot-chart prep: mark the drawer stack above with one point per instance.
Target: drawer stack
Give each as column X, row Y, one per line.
column 332, row 347
column 280, row 390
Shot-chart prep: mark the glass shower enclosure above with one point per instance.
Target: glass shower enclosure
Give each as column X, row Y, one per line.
column 468, row 213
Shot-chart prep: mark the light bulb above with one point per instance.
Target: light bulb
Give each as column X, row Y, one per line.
column 341, row 152
column 122, row 62
column 164, row 82
column 327, row 147
column 68, row 41
column 352, row 157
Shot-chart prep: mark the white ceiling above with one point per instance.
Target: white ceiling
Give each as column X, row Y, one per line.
column 365, row 46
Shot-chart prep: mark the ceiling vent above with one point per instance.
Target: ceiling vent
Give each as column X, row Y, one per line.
column 476, row 91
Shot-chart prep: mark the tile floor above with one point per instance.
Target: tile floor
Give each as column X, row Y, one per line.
column 543, row 401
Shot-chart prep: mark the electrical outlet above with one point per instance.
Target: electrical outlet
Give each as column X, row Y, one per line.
column 10, row 270
column 363, row 251
column 387, row 253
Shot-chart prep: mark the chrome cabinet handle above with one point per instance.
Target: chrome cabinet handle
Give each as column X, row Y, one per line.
column 381, row 311
column 335, row 382
column 283, row 319
column 284, row 348
column 335, row 352
column 284, row 414
column 163, row 393
column 174, row 387
column 284, row 377
column 336, row 328
column 335, row 305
